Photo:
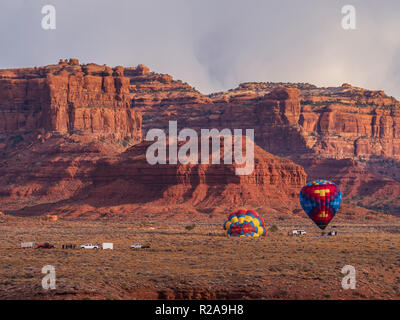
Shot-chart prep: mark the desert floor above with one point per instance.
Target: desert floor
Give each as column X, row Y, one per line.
column 197, row 264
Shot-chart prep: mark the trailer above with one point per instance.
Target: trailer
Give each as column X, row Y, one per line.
column 107, row 245
column 27, row 245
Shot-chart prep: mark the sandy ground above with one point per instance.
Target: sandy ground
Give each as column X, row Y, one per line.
column 197, row 264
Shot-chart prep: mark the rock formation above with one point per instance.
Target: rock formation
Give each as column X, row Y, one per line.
column 68, row 153
column 65, row 131
column 68, row 98
column 274, row 183
column 63, row 176
column 293, row 119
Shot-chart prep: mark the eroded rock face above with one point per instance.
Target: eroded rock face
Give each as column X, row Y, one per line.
column 299, row 121
column 273, row 182
column 68, row 98
column 289, row 119
column 87, row 182
column 64, row 130
column 56, row 122
column 292, row 119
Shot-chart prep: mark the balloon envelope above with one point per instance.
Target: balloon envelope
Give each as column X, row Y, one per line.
column 245, row 223
column 320, row 199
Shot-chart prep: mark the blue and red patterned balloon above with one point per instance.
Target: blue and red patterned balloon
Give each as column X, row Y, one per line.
column 245, row 223
column 320, row 199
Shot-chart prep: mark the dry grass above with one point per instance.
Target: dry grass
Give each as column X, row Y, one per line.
column 184, row 264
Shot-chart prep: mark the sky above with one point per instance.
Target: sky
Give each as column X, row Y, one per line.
column 214, row 44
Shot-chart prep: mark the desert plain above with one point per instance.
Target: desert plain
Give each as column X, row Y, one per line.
column 197, row 261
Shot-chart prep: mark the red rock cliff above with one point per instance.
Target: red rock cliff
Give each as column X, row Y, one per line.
column 290, row 119
column 89, row 103
column 68, row 98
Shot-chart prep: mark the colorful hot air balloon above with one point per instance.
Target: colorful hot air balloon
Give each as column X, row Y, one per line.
column 320, row 199
column 245, row 223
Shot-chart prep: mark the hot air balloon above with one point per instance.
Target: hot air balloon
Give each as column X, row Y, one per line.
column 320, row 199
column 245, row 223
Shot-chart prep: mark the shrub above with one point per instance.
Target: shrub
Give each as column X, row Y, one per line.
column 273, row 228
column 190, row 226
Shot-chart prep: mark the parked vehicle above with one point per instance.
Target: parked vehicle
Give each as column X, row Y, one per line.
column 89, row 246
column 139, row 246
column 333, row 233
column 45, row 245
column 298, row 232
column 27, row 245
column 136, row 246
column 107, row 245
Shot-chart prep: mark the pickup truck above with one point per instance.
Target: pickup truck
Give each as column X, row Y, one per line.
column 89, row 246
column 139, row 246
column 298, row 232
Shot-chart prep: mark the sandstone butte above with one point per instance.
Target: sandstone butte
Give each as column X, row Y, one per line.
column 71, row 143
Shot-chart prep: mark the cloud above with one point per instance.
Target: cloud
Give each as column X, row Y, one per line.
column 214, row 45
